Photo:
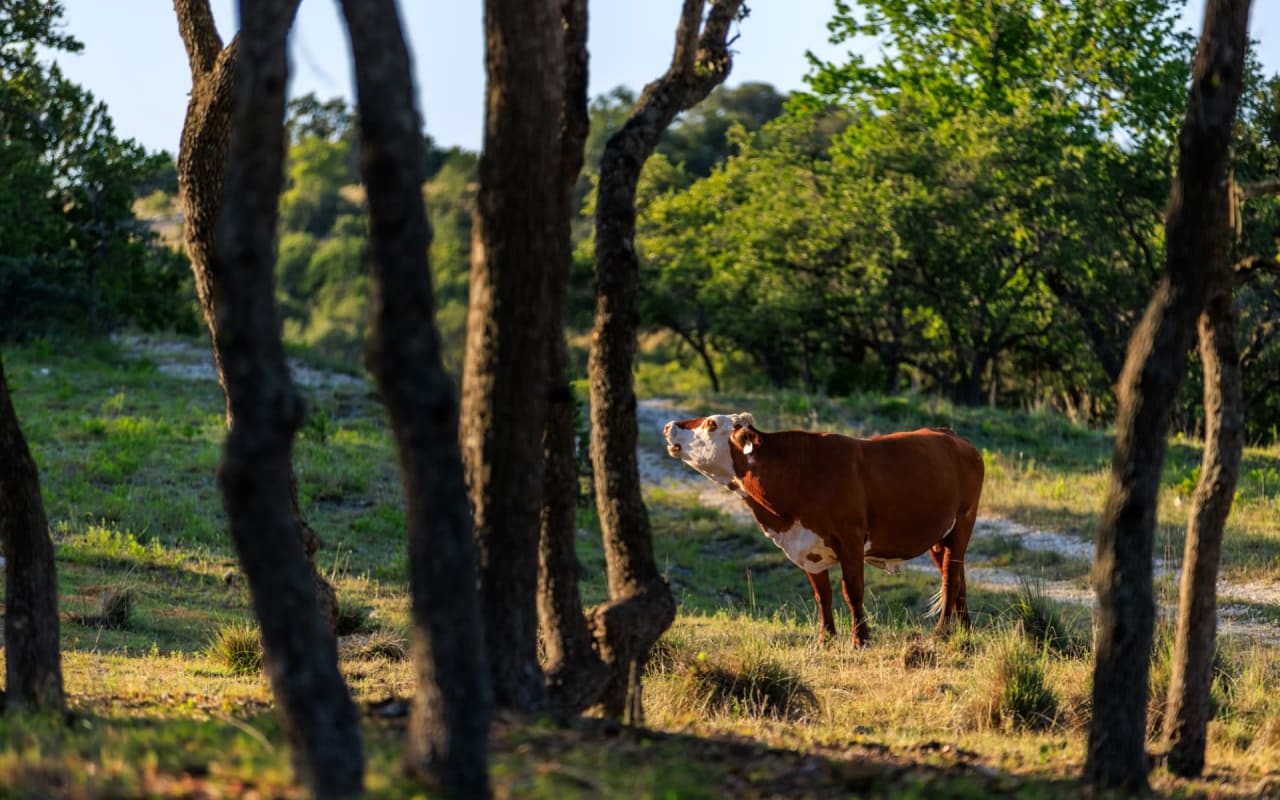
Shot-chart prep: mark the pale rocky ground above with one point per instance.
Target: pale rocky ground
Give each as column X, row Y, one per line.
column 187, row 360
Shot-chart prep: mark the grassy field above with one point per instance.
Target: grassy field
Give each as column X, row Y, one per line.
column 740, row 700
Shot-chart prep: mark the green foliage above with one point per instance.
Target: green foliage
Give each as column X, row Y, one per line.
column 75, row 258
column 933, row 217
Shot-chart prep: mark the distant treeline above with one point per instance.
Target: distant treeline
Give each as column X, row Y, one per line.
column 980, row 216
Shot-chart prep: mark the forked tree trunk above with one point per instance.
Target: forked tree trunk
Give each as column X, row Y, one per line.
column 1186, row 719
column 301, row 657
column 1156, row 362
column 32, row 650
column 202, row 163
column 640, row 607
column 449, row 726
column 504, row 387
column 575, row 673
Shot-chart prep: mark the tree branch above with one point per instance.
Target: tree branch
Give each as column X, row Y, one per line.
column 199, row 34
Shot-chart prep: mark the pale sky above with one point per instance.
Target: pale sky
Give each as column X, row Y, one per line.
column 134, row 61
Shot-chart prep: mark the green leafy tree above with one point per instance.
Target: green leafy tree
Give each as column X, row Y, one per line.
column 75, row 257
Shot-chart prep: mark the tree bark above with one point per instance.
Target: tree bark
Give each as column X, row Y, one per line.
column 32, row 649
column 202, row 163
column 575, row 674
column 1153, row 371
column 504, row 388
column 449, row 727
column 1186, row 719
column 302, row 661
column 641, row 607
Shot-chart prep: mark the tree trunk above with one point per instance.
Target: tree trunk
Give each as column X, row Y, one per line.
column 32, row 650
column 575, row 673
column 318, row 715
column 449, row 727
column 504, row 387
column 1154, row 369
column 202, row 163
column 641, row 607
column 1186, row 720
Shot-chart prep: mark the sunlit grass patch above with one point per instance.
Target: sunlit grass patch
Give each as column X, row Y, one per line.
column 102, row 544
column 742, row 682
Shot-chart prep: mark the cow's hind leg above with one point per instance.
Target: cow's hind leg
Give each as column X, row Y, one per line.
column 821, row 583
column 955, row 595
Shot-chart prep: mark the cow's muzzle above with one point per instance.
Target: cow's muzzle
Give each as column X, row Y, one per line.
column 673, row 450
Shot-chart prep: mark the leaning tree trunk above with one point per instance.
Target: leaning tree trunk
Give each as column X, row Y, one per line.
column 1186, row 719
column 1154, row 369
column 449, row 728
column 504, row 387
column 202, row 163
column 575, row 673
column 641, row 607
column 318, row 716
column 32, row 651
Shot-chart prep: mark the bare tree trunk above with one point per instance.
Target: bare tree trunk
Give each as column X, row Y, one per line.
column 641, row 607
column 1186, row 720
column 202, row 163
column 1154, row 368
column 504, row 387
column 318, row 715
column 575, row 673
column 32, row 650
column 449, row 728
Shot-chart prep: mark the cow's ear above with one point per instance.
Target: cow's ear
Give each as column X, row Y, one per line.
column 746, row 439
column 742, row 420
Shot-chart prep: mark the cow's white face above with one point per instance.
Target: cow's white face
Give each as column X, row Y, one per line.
column 703, row 443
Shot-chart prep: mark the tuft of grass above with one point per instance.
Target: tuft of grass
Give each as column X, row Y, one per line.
column 238, row 647
column 1042, row 620
column 919, row 653
column 1017, row 696
column 386, row 645
column 353, row 617
column 115, row 610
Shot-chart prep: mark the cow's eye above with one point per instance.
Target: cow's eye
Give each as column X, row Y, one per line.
column 711, row 425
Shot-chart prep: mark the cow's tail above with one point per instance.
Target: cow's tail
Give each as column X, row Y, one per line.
column 935, row 604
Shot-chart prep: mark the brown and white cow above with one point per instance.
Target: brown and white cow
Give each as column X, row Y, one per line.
column 828, row 499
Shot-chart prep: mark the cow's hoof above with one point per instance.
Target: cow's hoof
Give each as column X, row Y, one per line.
column 863, row 642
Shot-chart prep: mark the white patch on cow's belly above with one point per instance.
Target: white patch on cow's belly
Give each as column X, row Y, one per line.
column 804, row 547
column 889, row 565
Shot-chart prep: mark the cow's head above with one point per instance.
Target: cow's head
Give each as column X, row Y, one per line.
column 703, row 443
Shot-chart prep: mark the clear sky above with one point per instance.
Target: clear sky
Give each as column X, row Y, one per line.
column 134, row 61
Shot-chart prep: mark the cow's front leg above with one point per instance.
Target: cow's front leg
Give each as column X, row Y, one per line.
column 851, row 584
column 821, row 583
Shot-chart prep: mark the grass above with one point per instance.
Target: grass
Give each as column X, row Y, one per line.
column 741, row 699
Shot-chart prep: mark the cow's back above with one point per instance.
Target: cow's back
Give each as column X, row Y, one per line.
column 917, row 481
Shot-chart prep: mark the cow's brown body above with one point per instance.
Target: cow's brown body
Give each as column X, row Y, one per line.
column 828, row 499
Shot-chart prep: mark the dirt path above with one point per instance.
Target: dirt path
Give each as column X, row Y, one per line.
column 1234, row 618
